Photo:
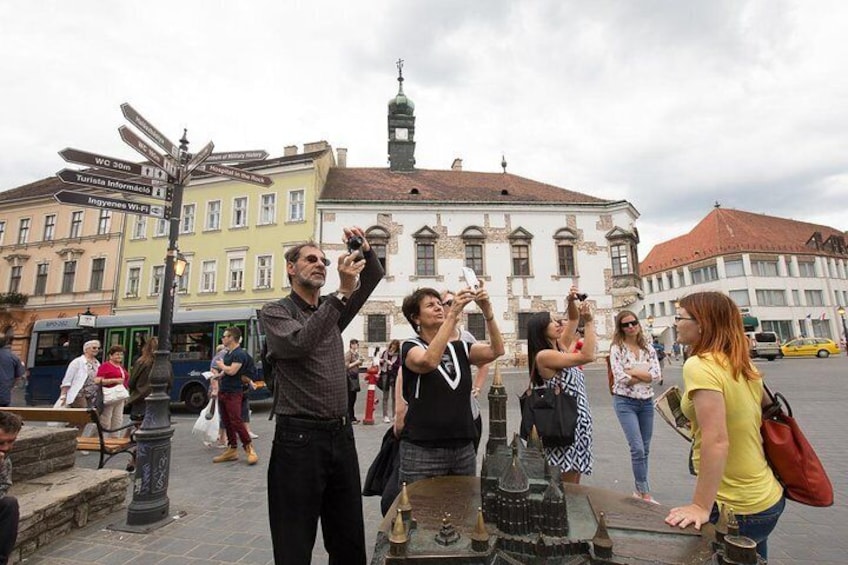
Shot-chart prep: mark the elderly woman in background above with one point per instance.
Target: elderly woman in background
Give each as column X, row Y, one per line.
column 78, row 388
column 111, row 374
column 437, row 437
column 555, row 362
column 635, row 367
column 723, row 398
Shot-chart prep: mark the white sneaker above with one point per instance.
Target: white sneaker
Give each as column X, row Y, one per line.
column 387, row 420
column 253, row 435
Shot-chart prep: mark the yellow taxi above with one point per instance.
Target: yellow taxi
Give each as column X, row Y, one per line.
column 810, row 346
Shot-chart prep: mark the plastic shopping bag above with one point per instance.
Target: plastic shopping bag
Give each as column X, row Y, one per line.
column 206, row 425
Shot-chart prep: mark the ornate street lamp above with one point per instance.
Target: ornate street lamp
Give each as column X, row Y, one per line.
column 841, row 312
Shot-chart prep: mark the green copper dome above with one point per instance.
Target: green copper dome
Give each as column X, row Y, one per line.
column 400, row 104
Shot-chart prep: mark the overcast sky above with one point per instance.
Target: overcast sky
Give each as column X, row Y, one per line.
column 670, row 104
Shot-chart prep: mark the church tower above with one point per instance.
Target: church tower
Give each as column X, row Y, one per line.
column 497, row 412
column 401, row 129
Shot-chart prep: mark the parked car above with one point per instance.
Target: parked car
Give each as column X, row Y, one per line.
column 764, row 344
column 810, row 346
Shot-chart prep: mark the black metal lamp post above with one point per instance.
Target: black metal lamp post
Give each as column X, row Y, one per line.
column 150, row 503
column 841, row 312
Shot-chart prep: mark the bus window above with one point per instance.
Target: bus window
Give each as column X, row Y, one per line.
column 53, row 349
column 191, row 342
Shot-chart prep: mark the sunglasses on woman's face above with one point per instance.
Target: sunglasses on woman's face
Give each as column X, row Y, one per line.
column 632, row 324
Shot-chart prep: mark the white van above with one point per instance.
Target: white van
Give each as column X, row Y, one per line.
column 764, row 344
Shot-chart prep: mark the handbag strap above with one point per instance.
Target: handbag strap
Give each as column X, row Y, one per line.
column 778, row 403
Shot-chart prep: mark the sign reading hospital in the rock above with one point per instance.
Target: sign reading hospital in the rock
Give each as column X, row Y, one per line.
column 93, row 201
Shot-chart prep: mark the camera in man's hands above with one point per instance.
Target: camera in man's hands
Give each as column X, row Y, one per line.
column 582, row 296
column 354, row 245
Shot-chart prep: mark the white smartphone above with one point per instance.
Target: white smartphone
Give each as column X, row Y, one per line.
column 471, row 278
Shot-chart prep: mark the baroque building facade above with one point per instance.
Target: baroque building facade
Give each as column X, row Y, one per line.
column 787, row 276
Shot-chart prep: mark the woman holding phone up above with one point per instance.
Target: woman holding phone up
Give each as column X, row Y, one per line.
column 635, row 367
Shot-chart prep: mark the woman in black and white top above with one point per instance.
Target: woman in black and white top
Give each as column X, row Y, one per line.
column 438, row 432
column 635, row 367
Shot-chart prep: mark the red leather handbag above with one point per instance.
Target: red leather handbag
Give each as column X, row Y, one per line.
column 792, row 458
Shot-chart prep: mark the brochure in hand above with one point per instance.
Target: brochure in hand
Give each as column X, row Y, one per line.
column 668, row 406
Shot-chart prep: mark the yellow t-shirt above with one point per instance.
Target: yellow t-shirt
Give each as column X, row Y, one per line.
column 748, row 485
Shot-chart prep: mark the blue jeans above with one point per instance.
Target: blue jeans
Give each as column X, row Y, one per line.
column 757, row 526
column 637, row 420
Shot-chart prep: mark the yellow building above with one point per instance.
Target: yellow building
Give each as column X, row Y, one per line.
column 232, row 234
column 57, row 260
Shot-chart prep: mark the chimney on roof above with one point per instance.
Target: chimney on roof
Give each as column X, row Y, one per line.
column 313, row 146
column 457, row 164
column 289, row 150
column 341, row 157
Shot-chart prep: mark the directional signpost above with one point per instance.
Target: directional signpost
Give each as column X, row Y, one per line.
column 94, row 201
column 239, row 174
column 154, row 134
column 237, row 156
column 149, row 153
column 161, row 192
column 199, row 158
column 112, row 164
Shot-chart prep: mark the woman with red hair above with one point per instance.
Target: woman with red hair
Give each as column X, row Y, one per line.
column 723, row 399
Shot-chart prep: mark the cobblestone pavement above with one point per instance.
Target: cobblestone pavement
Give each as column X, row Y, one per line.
column 229, row 524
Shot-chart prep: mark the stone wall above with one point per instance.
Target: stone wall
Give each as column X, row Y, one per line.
column 40, row 450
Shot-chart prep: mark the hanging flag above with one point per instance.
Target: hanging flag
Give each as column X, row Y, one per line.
column 823, row 316
column 809, row 316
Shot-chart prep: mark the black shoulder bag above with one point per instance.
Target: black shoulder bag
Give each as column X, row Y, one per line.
column 551, row 410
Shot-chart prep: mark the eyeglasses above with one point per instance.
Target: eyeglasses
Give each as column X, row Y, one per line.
column 315, row 259
column 678, row 318
column 632, row 324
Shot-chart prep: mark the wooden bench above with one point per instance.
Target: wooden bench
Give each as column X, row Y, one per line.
column 79, row 417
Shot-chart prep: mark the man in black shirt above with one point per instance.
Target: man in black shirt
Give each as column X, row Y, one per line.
column 314, row 469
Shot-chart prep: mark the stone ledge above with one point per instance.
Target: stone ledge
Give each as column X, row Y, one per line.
column 55, row 504
column 40, row 450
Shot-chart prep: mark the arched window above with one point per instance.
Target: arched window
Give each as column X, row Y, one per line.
column 378, row 238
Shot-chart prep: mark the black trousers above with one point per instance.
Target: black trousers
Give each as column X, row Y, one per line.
column 314, row 473
column 351, row 405
column 9, row 517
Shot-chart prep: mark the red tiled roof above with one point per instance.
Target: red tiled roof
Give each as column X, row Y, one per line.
column 373, row 184
column 725, row 231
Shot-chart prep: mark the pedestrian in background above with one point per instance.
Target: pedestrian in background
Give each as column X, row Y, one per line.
column 723, row 400
column 78, row 388
column 389, row 365
column 140, row 379
column 353, row 361
column 635, row 367
column 235, row 364
column 553, row 363
column 11, row 371
column 111, row 373
column 314, row 469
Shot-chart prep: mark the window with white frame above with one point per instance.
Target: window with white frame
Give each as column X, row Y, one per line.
column 235, row 276
column 69, row 273
column 264, row 271
column 213, row 215
column 620, row 257
column 41, row 279
column 806, row 268
column 519, row 251
column 378, row 238
column 814, row 297
column 182, row 282
column 162, row 228
column 477, row 325
column 763, row 268
column 734, row 268
column 740, row 297
column 796, row 298
column 15, row 278
column 2, row 232
column 377, row 330
column 208, row 274
column 133, row 281
column 76, row 224
column 103, row 222
column 661, row 307
column 157, row 279
column 297, row 205
column 268, row 209
column 98, row 269
column 670, row 278
column 49, row 227
column 187, row 220
column 704, row 274
column 659, row 283
column 770, row 297
column 23, row 231
column 140, row 227
column 474, row 239
column 650, row 284
column 425, row 258
column 240, row 212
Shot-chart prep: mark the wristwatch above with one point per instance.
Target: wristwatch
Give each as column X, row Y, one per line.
column 342, row 298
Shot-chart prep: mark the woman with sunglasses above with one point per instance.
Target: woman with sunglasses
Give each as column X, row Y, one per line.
column 723, row 399
column 78, row 388
column 635, row 367
column 555, row 362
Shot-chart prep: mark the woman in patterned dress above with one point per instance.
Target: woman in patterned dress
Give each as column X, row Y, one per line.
column 554, row 363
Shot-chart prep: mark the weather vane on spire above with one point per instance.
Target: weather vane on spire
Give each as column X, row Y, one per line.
column 400, row 69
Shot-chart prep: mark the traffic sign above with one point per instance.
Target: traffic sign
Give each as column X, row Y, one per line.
column 112, row 164
column 199, row 158
column 238, row 174
column 237, row 156
column 154, row 134
column 162, row 192
column 149, row 153
column 93, row 201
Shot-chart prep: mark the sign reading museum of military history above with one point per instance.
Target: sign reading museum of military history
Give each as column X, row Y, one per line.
column 237, row 156
column 94, row 201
